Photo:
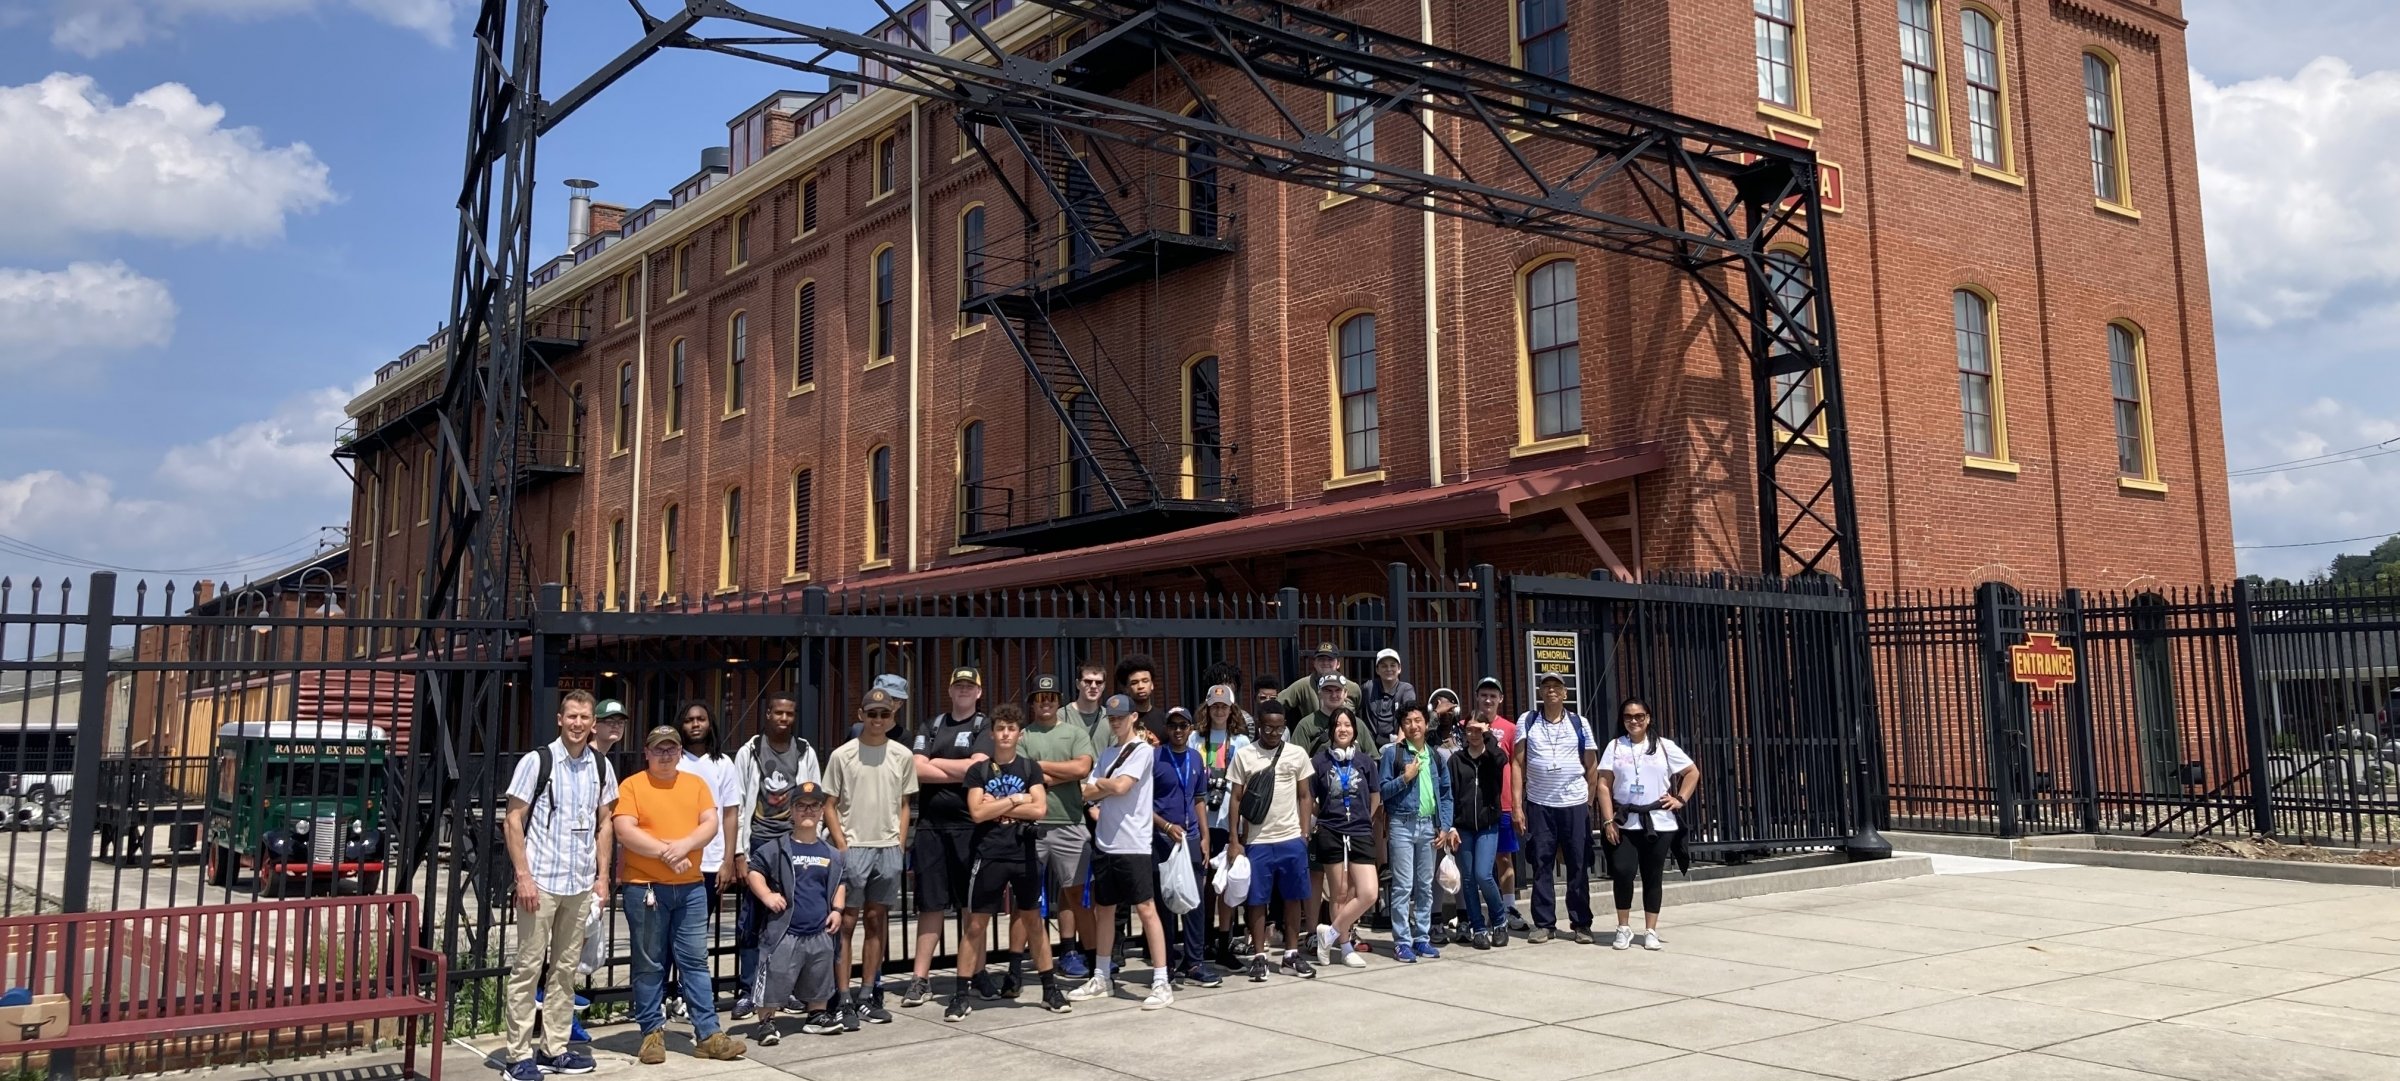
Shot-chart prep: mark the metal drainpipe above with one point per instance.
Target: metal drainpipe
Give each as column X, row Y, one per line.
column 916, row 317
column 1433, row 340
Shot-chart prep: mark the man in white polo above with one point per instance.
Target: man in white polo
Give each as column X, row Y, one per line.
column 561, row 800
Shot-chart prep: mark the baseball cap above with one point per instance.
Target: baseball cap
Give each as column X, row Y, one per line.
column 966, row 675
column 1174, row 712
column 1551, row 677
column 1331, row 679
column 662, row 734
column 1119, row 705
column 1043, row 685
column 1488, row 681
column 809, row 792
column 1220, row 695
column 893, row 685
column 1386, row 653
column 878, row 698
column 610, row 710
column 1325, row 649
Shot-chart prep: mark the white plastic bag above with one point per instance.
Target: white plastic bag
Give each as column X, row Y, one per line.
column 1176, row 889
column 1234, row 881
column 595, row 938
column 1445, row 876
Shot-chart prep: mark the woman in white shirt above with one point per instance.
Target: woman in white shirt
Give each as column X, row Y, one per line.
column 1644, row 780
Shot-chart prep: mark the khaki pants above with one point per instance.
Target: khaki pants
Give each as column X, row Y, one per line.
column 555, row 927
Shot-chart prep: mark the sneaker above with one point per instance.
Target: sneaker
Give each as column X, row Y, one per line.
column 845, row 1014
column 1425, row 949
column 1096, row 987
column 654, row 1048
column 1054, row 999
column 958, row 1009
column 1299, row 965
column 1516, row 922
column 919, row 990
column 1581, row 937
column 1651, row 941
column 1483, row 940
column 1204, row 975
column 985, row 985
column 720, row 1047
column 1325, row 938
column 1539, row 936
column 1161, row 996
column 828, row 1023
column 524, row 1069
column 1623, row 941
column 566, row 1062
column 765, row 1034
column 1258, row 968
column 874, row 1011
column 1439, row 936
column 1403, row 954
column 676, row 1010
column 743, row 1008
column 1499, row 936
column 1012, row 986
column 1352, row 958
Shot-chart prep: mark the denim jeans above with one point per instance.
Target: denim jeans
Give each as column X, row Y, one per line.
column 1481, row 890
column 1412, row 878
column 748, row 915
column 670, row 923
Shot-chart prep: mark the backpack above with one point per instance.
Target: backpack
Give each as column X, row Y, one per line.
column 541, row 781
column 1583, row 734
column 1259, row 800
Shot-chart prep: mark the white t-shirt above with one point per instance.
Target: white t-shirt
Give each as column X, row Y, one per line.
column 1283, row 807
column 1641, row 775
column 1125, row 820
column 1554, row 759
column 726, row 788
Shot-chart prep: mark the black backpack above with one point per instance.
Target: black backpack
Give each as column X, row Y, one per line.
column 541, row 780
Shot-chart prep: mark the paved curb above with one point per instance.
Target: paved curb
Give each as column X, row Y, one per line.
column 2132, row 853
column 1682, row 892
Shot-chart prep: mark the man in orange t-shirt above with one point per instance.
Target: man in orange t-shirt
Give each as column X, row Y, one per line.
column 665, row 818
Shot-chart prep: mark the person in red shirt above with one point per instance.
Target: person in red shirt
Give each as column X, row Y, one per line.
column 1504, row 866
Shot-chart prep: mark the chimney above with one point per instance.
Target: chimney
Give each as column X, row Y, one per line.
column 203, row 591
column 606, row 218
column 579, row 212
column 781, row 128
column 716, row 159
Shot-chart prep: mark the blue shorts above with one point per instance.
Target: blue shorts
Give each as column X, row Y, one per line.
column 1508, row 833
column 1279, row 868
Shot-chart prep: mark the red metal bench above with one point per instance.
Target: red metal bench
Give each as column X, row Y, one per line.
column 157, row 977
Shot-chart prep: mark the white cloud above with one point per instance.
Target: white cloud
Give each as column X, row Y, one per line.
column 162, row 165
column 286, row 454
column 94, row 27
column 87, row 306
column 2301, row 181
column 2303, row 506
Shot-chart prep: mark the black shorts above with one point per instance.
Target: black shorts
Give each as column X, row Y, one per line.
column 1325, row 849
column 994, row 880
column 942, row 865
column 1123, row 880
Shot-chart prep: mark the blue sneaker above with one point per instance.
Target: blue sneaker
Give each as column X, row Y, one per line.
column 566, row 1062
column 1071, row 966
column 1403, row 954
column 1425, row 949
column 524, row 1069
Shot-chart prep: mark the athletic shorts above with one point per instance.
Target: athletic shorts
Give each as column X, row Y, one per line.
column 1326, row 849
column 1508, row 833
column 874, row 876
column 942, row 863
column 1065, row 853
column 1279, row 868
column 795, row 971
column 993, row 880
column 1124, row 881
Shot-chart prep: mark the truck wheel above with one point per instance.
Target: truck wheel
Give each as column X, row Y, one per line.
column 218, row 866
column 44, row 806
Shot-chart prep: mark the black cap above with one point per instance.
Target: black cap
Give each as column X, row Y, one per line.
column 1043, row 685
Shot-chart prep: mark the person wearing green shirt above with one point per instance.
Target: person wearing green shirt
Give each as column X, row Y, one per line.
column 1315, row 727
column 1300, row 698
column 1063, row 838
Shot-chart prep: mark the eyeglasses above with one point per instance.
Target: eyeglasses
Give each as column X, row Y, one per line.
column 664, row 749
column 1102, row 682
column 879, row 714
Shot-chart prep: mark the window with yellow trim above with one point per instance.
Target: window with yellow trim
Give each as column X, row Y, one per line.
column 808, row 205
column 879, row 504
column 1358, row 446
column 425, row 473
column 1551, row 349
column 574, row 425
column 624, row 420
column 2129, row 386
column 1197, row 183
column 804, row 334
column 1983, row 422
column 1987, row 87
column 2104, row 117
column 737, row 357
column 886, row 163
column 1352, row 122
column 970, row 478
column 1540, row 43
column 879, row 307
column 670, row 530
column 629, row 302
column 566, row 562
column 683, row 269
column 970, row 261
column 741, row 239
column 729, row 542
column 675, row 375
column 1203, row 431
column 1921, row 90
column 614, row 577
column 803, row 500
column 1781, row 48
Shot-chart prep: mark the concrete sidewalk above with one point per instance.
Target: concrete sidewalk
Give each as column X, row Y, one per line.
column 2067, row 974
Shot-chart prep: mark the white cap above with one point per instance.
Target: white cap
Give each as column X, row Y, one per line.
column 1386, row 653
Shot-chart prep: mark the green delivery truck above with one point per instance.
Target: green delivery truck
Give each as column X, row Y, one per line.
column 297, row 800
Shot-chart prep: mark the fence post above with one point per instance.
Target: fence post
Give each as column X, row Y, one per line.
column 2078, row 704
column 2000, row 759
column 1487, row 637
column 83, row 804
column 2254, row 723
column 545, row 650
column 831, row 717
column 1396, row 590
column 1287, row 605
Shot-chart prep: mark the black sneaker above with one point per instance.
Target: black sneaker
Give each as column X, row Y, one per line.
column 919, row 990
column 985, row 985
column 1204, row 975
column 1483, row 940
column 1440, row 934
column 1012, row 986
column 874, row 1011
column 743, row 1008
column 959, row 1008
column 1054, row 998
column 1500, row 936
column 825, row 1023
column 765, row 1034
column 1298, row 963
column 846, row 1012
column 1258, row 968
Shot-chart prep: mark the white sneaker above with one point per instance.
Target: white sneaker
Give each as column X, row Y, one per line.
column 1161, row 996
column 1325, row 937
column 1624, row 939
column 1651, row 941
column 1096, row 987
column 1351, row 958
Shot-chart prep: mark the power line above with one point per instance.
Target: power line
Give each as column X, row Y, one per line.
column 261, row 561
column 2322, row 543
column 2334, row 456
column 2288, row 467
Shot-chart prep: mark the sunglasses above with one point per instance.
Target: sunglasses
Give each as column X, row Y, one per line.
column 883, row 714
column 1635, row 716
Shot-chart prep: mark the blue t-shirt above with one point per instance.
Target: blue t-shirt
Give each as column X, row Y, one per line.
column 1343, row 791
column 804, row 874
column 1181, row 776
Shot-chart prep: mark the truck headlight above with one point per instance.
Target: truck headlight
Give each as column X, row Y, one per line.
column 301, row 826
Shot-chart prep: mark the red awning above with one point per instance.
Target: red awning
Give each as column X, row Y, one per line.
column 1416, row 510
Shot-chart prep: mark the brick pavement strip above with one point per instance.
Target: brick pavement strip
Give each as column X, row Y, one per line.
column 2135, row 975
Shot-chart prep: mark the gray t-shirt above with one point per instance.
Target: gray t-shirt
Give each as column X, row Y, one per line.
column 1125, row 824
column 1095, row 725
column 771, row 818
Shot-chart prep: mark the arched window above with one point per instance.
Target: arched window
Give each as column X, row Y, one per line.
column 804, row 336
column 970, row 262
column 675, row 375
column 729, row 542
column 1796, row 393
column 1983, row 423
column 670, row 525
column 970, row 478
column 879, row 308
column 1987, row 87
column 737, row 356
column 879, row 505
column 2129, row 385
column 1921, row 90
column 1553, row 356
column 2104, row 116
column 803, row 500
column 1358, row 447
column 1203, row 435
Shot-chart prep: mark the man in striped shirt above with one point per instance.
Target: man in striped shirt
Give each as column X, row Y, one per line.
column 559, row 838
column 1558, row 769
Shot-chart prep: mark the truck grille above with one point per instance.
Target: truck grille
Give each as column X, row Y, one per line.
column 325, row 838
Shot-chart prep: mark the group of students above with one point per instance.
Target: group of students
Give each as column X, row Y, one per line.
column 1292, row 811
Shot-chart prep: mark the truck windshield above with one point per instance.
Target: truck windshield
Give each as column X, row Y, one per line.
column 316, row 778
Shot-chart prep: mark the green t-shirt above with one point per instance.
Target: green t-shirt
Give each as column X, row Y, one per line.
column 1060, row 742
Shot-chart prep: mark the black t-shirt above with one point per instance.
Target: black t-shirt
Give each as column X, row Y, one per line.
column 944, row 806
column 1002, row 839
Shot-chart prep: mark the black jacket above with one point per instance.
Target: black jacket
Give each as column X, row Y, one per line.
column 1475, row 788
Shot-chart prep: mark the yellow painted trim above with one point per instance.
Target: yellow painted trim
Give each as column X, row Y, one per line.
column 1372, row 476
column 868, row 519
column 799, row 388
column 809, row 387
column 674, row 393
column 970, row 330
column 879, row 362
column 1992, row 465
column 1991, row 333
column 2136, row 484
column 1333, row 386
column 1815, row 435
column 1781, row 115
column 625, row 287
column 963, row 549
column 874, row 310
column 725, row 539
column 725, row 402
column 676, row 434
column 734, row 242
column 2118, row 209
column 1945, row 151
column 882, row 184
column 1989, row 173
column 967, row 323
column 791, row 579
column 2116, row 109
column 958, row 473
column 791, row 518
column 616, row 556
column 800, row 203
column 1527, row 442
column 2007, row 169
column 1943, row 160
column 872, row 200
column 742, row 412
column 679, row 270
column 1188, row 484
column 619, row 440
column 2141, row 378
column 1564, row 442
column 619, row 453
column 1800, row 111
column 875, row 565
column 670, row 515
column 1336, row 198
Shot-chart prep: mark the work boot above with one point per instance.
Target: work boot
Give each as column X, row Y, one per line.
column 721, row 1047
column 654, row 1048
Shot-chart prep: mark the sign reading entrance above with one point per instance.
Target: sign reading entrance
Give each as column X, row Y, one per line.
column 1556, row 653
column 2041, row 661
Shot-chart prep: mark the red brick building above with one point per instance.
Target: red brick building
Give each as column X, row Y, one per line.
column 777, row 384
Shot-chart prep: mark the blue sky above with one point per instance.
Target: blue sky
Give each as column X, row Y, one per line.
column 304, row 237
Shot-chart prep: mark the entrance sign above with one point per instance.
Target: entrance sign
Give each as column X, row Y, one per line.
column 2041, row 661
column 1558, row 653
